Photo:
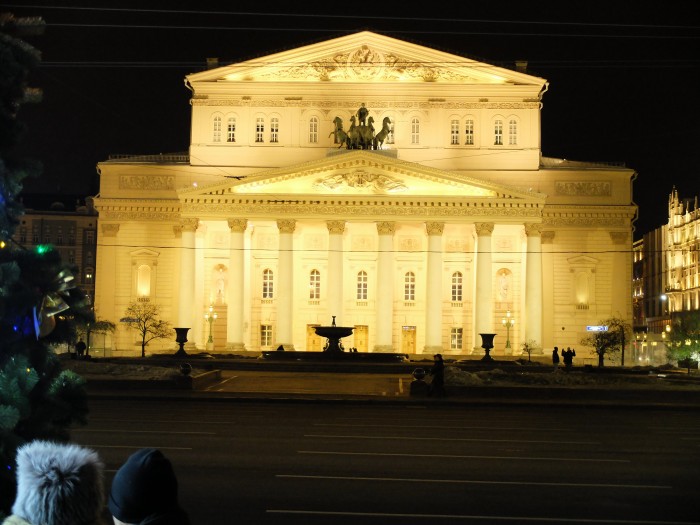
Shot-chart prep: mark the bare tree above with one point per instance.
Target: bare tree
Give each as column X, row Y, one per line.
column 529, row 347
column 610, row 341
column 144, row 318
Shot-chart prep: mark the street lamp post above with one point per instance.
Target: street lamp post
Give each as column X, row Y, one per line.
column 210, row 317
column 508, row 321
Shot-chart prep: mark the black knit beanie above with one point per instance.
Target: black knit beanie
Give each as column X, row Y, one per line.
column 145, row 485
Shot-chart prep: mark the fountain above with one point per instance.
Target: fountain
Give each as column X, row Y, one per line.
column 334, row 334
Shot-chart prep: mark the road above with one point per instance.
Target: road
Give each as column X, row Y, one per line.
column 260, row 463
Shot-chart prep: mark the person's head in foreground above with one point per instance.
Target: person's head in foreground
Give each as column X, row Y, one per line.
column 144, row 491
column 57, row 484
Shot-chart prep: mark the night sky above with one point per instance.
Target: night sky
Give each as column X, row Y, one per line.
column 622, row 80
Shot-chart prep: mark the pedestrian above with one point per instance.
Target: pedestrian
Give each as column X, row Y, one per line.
column 568, row 356
column 80, row 347
column 144, row 491
column 57, row 484
column 555, row 358
column 437, row 385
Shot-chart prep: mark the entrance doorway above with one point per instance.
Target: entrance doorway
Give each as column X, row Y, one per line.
column 408, row 339
column 360, row 339
column 314, row 343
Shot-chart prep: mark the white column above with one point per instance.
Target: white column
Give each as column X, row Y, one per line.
column 483, row 302
column 106, row 277
column 335, row 270
column 385, row 287
column 533, row 284
column 548, row 335
column 236, row 258
column 186, row 312
column 285, row 297
column 198, row 336
column 433, row 291
column 621, row 305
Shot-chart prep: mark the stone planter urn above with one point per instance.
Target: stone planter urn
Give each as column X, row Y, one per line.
column 487, row 345
column 181, row 339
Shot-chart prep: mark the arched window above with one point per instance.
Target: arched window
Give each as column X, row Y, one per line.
column 362, row 286
column 315, row 284
column 313, row 130
column 415, row 131
column 259, row 129
column 274, row 130
column 512, row 132
column 268, row 284
column 409, row 287
column 457, row 286
column 498, row 132
column 469, row 132
column 454, row 132
column 216, row 137
column 231, row 130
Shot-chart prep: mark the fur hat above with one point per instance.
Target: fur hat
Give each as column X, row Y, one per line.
column 145, row 486
column 58, row 484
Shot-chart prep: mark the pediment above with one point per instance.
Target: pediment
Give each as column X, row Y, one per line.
column 362, row 174
column 365, row 57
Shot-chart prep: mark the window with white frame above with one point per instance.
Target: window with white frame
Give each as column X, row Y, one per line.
column 409, row 287
column 315, row 284
column 454, row 132
column 216, row 136
column 268, row 283
column 265, row 335
column 456, row 338
column 512, row 132
column 415, row 131
column 274, row 130
column 231, row 130
column 362, row 285
column 260, row 129
column 498, row 132
column 469, row 132
column 456, row 287
column 313, row 130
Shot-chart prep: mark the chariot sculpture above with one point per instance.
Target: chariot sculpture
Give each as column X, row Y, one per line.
column 361, row 134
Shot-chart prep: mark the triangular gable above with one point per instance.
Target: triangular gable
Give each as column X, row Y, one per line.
column 365, row 56
column 362, row 173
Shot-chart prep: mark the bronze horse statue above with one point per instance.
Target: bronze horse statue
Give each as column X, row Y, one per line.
column 360, row 137
column 340, row 136
column 383, row 133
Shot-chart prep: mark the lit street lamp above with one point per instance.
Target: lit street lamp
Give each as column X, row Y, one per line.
column 508, row 322
column 210, row 317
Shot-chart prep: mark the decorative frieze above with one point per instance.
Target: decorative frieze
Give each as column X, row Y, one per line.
column 583, row 188
column 361, row 180
column 139, row 216
column 146, row 182
column 345, row 105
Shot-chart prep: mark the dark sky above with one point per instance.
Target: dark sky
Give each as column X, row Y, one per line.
column 622, row 79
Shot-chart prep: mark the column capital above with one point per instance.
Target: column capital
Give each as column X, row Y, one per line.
column 547, row 237
column 189, row 225
column 483, row 228
column 533, row 229
column 286, row 225
column 434, row 228
column 386, row 228
column 336, row 226
column 619, row 237
column 109, row 230
column 237, row 225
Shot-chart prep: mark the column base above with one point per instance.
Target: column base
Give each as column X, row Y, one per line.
column 235, row 347
column 383, row 348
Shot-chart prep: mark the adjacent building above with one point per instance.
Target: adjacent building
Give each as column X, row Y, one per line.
column 399, row 188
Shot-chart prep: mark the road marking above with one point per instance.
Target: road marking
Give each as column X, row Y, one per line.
column 474, row 517
column 122, row 431
column 443, row 427
column 488, row 440
column 138, row 447
column 461, row 456
column 481, row 482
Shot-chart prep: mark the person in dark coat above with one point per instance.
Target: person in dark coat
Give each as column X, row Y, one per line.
column 144, row 491
column 80, row 347
column 555, row 358
column 437, row 385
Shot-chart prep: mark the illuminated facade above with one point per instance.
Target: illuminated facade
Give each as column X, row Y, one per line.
column 420, row 245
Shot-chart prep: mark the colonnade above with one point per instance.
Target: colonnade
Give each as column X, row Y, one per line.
column 483, row 300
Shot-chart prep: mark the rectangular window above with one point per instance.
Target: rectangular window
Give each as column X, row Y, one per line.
column 455, row 338
column 315, row 285
column 362, row 286
column 268, row 284
column 274, row 130
column 498, row 133
column 512, row 133
column 313, row 130
column 409, row 288
column 89, row 237
column 454, row 132
column 415, row 131
column 259, row 129
column 456, row 287
column 265, row 335
column 217, row 130
column 469, row 132
column 231, row 130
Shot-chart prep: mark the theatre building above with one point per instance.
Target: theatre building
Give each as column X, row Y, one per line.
column 401, row 189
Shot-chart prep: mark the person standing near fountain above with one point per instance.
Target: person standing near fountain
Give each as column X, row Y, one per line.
column 437, row 385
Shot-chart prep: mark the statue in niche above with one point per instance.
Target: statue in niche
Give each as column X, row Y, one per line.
column 504, row 285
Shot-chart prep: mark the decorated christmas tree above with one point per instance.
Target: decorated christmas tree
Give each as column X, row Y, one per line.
column 39, row 303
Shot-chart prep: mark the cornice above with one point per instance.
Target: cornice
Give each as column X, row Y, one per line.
column 586, row 216
column 347, row 105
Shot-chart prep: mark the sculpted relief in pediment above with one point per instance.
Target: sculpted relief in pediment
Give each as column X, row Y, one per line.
column 366, row 63
column 359, row 180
